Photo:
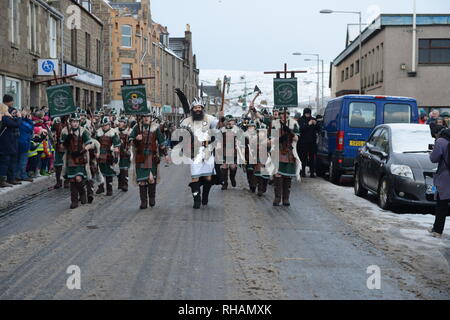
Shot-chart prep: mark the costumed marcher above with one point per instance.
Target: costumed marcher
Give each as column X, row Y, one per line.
column 203, row 167
column 77, row 142
column 124, row 153
column 147, row 140
column 85, row 122
column 251, row 142
column 229, row 148
column 57, row 126
column 109, row 155
column 94, row 171
column 262, row 177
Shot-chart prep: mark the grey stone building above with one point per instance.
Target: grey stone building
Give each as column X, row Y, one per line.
column 387, row 62
column 31, row 30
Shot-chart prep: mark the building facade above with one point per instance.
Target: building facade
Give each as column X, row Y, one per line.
column 82, row 51
column 31, row 30
column 387, row 64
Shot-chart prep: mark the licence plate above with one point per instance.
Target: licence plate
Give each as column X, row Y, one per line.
column 354, row 143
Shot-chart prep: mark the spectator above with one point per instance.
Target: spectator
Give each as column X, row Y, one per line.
column 423, row 118
column 33, row 156
column 9, row 134
column 441, row 155
column 307, row 144
column 433, row 117
column 446, row 117
column 46, row 154
column 26, row 132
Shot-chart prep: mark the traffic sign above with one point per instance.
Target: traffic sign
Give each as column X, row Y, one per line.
column 47, row 66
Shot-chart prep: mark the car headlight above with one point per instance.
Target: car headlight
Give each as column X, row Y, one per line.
column 402, row 171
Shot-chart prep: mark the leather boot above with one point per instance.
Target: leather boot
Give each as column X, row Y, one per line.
column 66, row 184
column 152, row 194
column 205, row 195
column 277, row 181
column 251, row 180
column 100, row 189
column 4, row 184
column 125, row 180
column 262, row 186
column 58, row 171
column 195, row 187
column 287, row 181
column 82, row 192
column 90, row 191
column 143, row 194
column 73, row 195
column 225, row 178
column 109, row 186
column 233, row 177
column 120, row 181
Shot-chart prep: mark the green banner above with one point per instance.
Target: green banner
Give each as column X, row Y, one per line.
column 134, row 99
column 285, row 92
column 60, row 100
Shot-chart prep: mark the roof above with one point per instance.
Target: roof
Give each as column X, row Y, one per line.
column 372, row 97
column 212, row 91
column 133, row 7
column 385, row 20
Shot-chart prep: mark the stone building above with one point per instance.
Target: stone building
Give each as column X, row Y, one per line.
column 387, row 62
column 83, row 51
column 31, row 30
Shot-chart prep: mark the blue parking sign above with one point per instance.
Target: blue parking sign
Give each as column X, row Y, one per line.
column 48, row 66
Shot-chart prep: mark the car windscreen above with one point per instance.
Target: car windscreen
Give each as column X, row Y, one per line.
column 362, row 114
column 397, row 113
column 411, row 139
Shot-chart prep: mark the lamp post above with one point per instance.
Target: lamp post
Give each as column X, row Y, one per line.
column 323, row 82
column 328, row 11
column 318, row 75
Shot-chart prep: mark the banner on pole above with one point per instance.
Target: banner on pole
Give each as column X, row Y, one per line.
column 60, row 100
column 134, row 99
column 285, row 92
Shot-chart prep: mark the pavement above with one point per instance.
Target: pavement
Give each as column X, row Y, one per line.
column 239, row 247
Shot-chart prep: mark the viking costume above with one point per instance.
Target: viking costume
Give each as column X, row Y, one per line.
column 56, row 129
column 124, row 154
column 251, row 142
column 146, row 159
column 289, row 163
column 202, row 164
column 261, row 175
column 76, row 141
column 109, row 140
column 229, row 148
column 94, row 171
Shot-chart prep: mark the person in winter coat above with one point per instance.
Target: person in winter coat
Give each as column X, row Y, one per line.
column 441, row 155
column 9, row 134
column 26, row 132
column 307, row 143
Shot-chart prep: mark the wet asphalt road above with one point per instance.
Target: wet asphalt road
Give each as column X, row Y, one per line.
column 239, row 247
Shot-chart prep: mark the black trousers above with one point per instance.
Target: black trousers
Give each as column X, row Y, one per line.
column 441, row 215
column 308, row 154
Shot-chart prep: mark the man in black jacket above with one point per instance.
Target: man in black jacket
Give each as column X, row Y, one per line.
column 307, row 144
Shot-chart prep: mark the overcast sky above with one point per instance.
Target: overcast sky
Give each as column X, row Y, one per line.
column 260, row 35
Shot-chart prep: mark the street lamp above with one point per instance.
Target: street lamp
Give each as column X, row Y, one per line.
column 323, row 82
column 328, row 11
column 318, row 73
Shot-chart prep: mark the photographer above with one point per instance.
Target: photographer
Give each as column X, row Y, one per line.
column 441, row 155
column 307, row 144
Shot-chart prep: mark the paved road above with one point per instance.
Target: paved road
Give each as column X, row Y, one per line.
column 239, row 247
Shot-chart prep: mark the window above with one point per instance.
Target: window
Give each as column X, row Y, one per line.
column 362, row 114
column 346, row 73
column 357, row 67
column 12, row 87
column 74, row 46
column 88, row 51
column 85, row 99
column 52, row 37
column 434, row 51
column 126, row 36
column 375, row 136
column 382, row 141
column 77, row 96
column 397, row 113
column 126, row 70
column 352, row 70
column 86, row 4
column 14, row 21
column 32, row 24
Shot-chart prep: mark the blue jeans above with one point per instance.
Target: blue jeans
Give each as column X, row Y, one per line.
column 8, row 164
column 22, row 161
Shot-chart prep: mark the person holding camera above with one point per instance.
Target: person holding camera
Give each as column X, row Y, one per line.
column 441, row 155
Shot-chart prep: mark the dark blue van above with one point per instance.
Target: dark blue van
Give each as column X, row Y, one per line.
column 349, row 121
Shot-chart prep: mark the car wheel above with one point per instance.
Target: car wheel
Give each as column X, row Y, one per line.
column 335, row 175
column 360, row 191
column 384, row 195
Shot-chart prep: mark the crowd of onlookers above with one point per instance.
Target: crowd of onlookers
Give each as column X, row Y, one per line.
column 26, row 145
column 436, row 120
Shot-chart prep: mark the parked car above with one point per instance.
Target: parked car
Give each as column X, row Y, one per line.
column 395, row 165
column 348, row 123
